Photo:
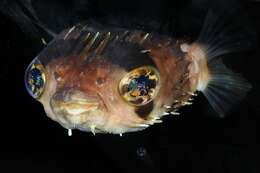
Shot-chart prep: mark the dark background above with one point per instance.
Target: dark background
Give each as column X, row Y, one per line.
column 195, row 141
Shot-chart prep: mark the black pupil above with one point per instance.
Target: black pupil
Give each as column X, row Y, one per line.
column 36, row 77
column 142, row 83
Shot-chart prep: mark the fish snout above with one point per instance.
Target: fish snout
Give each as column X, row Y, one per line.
column 73, row 103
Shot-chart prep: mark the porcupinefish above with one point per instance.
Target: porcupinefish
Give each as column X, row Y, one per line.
column 106, row 79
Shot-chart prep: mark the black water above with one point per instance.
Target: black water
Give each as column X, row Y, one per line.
column 195, row 141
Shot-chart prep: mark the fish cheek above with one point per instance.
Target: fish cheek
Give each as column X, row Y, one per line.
column 144, row 111
column 50, row 90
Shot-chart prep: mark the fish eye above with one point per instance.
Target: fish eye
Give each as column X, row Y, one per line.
column 140, row 86
column 35, row 78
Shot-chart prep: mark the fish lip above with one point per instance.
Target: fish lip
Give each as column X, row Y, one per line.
column 81, row 107
column 74, row 114
column 73, row 102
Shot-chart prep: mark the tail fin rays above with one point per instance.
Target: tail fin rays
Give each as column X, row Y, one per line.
column 225, row 88
column 224, row 32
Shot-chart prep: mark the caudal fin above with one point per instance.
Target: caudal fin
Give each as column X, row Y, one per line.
column 225, row 88
column 223, row 32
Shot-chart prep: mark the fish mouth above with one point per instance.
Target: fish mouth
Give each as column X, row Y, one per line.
column 74, row 108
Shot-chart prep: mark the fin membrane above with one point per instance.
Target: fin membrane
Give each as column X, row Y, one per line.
column 225, row 30
column 225, row 88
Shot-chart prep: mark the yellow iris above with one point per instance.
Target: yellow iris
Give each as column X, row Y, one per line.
column 140, row 85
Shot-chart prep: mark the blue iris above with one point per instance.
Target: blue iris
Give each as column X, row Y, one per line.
column 34, row 81
column 142, row 83
column 36, row 76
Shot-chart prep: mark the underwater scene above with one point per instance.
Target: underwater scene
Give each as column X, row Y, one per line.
column 129, row 86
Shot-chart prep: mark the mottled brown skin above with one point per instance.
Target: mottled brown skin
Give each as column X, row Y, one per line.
column 85, row 95
column 97, row 82
column 174, row 75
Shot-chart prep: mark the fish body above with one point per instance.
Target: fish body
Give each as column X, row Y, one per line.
column 87, row 68
column 107, row 79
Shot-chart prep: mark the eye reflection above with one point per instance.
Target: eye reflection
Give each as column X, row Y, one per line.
column 35, row 78
column 140, row 85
